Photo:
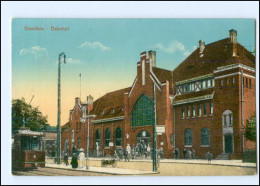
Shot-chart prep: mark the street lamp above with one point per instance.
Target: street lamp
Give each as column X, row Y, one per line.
column 154, row 132
column 83, row 119
column 61, row 55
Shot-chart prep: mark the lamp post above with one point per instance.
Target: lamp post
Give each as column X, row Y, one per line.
column 84, row 118
column 154, row 132
column 58, row 122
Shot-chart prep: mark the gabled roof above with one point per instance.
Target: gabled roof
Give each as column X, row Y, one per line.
column 216, row 54
column 163, row 75
column 112, row 100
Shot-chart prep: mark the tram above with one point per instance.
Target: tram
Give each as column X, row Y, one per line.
column 27, row 149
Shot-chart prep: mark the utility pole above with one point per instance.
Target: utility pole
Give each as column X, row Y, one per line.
column 242, row 112
column 154, row 133
column 58, row 122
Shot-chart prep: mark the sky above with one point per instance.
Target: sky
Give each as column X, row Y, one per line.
column 105, row 52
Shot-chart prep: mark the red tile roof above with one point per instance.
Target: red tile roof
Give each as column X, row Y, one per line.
column 215, row 55
column 112, row 100
column 163, row 75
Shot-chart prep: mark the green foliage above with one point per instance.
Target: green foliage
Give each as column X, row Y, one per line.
column 25, row 113
column 251, row 128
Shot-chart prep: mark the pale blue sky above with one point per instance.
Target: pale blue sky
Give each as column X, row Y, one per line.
column 105, row 51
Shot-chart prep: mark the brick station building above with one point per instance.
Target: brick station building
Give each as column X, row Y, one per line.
column 198, row 105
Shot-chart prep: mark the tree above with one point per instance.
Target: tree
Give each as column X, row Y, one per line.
column 251, row 128
column 23, row 113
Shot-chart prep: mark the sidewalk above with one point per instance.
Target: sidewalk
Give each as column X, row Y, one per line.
column 103, row 170
column 236, row 163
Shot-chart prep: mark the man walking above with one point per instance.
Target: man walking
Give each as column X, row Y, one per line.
column 209, row 157
column 176, row 153
column 125, row 153
column 184, row 153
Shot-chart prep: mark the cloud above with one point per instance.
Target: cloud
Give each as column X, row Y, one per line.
column 171, row 48
column 36, row 51
column 94, row 45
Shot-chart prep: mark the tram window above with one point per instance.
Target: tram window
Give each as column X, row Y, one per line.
column 35, row 143
column 30, row 143
column 25, row 142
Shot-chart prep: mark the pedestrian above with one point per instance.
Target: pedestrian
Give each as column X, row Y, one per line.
column 209, row 157
column 128, row 149
column 161, row 153
column 74, row 161
column 193, row 154
column 176, row 153
column 66, row 157
column 184, row 153
column 125, row 153
column 189, row 154
column 148, row 151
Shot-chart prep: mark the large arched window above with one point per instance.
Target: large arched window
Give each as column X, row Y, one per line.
column 98, row 136
column 205, row 138
column 107, row 136
column 188, row 137
column 143, row 112
column 118, row 137
column 227, row 119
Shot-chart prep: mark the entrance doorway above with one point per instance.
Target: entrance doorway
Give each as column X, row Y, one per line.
column 228, row 144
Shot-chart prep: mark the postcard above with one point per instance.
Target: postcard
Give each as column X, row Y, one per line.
column 133, row 97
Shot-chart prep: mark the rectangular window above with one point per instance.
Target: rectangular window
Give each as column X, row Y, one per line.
column 250, row 85
column 193, row 110
column 209, row 83
column 221, row 83
column 188, row 111
column 204, row 84
column 211, row 108
column 183, row 113
column 233, row 80
column 199, row 109
column 243, row 81
column 213, row 83
column 227, row 81
column 246, row 82
column 205, row 109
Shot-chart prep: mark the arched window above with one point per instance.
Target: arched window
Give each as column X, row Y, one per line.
column 118, row 137
column 143, row 112
column 205, row 138
column 107, row 136
column 98, row 136
column 188, row 137
column 227, row 119
column 172, row 140
column 66, row 145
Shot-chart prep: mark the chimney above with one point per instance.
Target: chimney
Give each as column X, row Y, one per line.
column 152, row 55
column 233, row 40
column 77, row 100
column 201, row 46
column 233, row 36
column 90, row 102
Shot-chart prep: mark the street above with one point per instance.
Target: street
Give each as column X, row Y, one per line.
column 165, row 169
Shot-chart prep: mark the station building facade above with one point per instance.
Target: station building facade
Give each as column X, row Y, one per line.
column 198, row 105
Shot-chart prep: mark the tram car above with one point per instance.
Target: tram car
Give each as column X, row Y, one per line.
column 27, row 149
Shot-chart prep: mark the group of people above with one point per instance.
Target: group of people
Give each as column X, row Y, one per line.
column 190, row 154
column 138, row 151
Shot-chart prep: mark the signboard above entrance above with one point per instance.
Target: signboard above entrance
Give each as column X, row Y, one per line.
column 160, row 128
